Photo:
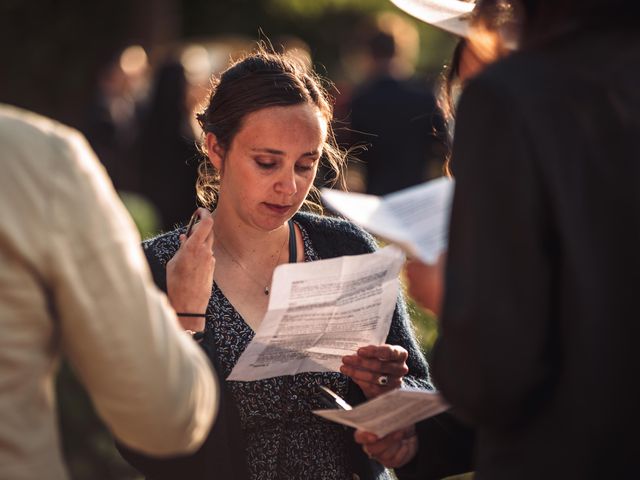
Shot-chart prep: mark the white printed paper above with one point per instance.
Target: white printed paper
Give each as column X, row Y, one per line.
column 320, row 311
column 389, row 412
column 416, row 219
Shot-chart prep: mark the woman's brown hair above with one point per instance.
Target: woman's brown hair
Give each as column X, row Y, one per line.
column 260, row 80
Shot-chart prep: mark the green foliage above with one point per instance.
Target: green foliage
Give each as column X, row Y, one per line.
column 317, row 7
column 145, row 215
column 425, row 324
column 466, row 476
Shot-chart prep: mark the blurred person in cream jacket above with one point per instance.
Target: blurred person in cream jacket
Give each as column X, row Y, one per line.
column 74, row 283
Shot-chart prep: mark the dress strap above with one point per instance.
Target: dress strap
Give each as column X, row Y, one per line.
column 293, row 247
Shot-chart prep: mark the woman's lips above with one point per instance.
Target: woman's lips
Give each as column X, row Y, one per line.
column 280, row 209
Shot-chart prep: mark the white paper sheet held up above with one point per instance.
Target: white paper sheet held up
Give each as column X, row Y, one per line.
column 320, row 311
column 389, row 412
column 417, row 218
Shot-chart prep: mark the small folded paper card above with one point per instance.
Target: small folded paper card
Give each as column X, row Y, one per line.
column 389, row 412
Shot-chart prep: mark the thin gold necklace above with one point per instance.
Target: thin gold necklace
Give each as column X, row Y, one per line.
column 267, row 285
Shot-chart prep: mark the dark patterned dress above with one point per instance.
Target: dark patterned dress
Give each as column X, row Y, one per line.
column 284, row 439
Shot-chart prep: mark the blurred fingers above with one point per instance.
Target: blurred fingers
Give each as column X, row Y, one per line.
column 388, row 353
column 405, row 452
column 385, row 447
column 201, row 231
column 396, row 449
column 379, row 367
column 364, row 438
column 366, row 378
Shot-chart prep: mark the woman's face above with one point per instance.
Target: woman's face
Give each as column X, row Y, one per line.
column 269, row 168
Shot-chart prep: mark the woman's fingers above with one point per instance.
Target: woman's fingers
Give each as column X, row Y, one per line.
column 199, row 244
column 383, row 452
column 376, row 368
column 396, row 368
column 388, row 353
column 406, row 450
column 372, row 379
column 393, row 450
column 190, row 271
column 203, row 228
column 364, row 438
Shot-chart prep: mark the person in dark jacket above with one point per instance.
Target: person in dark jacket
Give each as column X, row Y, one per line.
column 266, row 127
column 399, row 122
column 538, row 339
column 166, row 146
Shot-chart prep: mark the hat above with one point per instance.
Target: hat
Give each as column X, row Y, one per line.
column 450, row 15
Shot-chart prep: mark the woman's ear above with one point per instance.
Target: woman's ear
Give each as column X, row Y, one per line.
column 214, row 151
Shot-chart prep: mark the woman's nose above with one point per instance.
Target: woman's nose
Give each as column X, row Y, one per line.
column 287, row 183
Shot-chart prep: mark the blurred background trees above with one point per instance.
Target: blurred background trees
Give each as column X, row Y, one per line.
column 52, row 51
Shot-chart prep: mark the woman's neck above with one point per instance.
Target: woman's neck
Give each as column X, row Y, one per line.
column 245, row 241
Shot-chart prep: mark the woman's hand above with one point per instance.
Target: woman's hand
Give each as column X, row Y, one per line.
column 190, row 273
column 426, row 283
column 393, row 451
column 376, row 368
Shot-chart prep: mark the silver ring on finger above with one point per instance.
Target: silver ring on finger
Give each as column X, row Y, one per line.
column 383, row 380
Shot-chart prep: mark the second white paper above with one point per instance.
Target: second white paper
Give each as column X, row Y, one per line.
column 389, row 412
column 320, row 311
column 416, row 218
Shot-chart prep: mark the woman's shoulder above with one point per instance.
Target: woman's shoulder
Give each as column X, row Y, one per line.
column 335, row 236
column 164, row 246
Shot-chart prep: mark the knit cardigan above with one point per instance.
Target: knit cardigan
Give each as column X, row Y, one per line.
column 222, row 454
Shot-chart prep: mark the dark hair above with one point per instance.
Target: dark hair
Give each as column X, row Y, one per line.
column 260, row 80
column 486, row 21
column 448, row 78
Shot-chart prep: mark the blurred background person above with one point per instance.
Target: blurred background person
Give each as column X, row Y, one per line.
column 167, row 148
column 393, row 115
column 426, row 282
column 73, row 283
column 112, row 123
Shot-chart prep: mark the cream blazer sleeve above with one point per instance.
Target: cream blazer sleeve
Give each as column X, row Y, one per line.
column 148, row 380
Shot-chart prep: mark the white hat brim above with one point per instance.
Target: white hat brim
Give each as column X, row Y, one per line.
column 449, row 15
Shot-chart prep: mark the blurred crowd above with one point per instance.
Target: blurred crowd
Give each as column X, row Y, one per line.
column 141, row 118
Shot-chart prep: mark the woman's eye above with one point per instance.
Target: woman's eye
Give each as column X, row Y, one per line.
column 265, row 164
column 304, row 168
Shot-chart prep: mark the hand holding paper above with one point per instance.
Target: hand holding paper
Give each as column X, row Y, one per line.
column 376, row 368
column 320, row 311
